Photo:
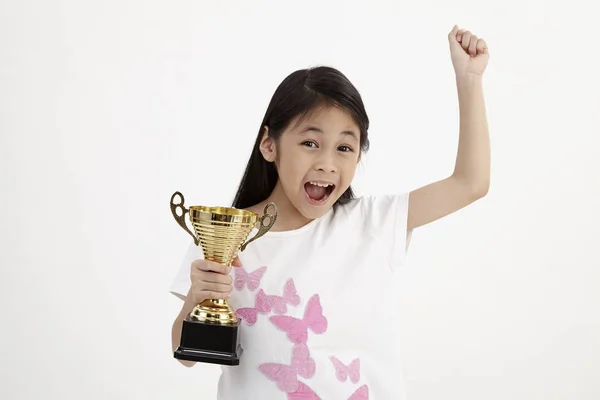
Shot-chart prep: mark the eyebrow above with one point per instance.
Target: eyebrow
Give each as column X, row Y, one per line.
column 312, row 128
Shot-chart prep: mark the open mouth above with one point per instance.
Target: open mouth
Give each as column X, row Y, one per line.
column 318, row 192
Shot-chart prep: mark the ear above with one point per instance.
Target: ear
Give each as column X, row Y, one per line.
column 267, row 146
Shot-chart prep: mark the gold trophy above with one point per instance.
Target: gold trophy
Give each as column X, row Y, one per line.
column 211, row 331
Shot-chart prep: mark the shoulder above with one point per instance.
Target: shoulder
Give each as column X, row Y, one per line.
column 383, row 217
column 375, row 213
column 376, row 206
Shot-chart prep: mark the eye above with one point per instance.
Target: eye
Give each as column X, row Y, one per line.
column 345, row 149
column 309, row 143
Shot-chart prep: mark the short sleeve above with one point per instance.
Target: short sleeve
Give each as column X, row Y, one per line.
column 386, row 217
column 181, row 283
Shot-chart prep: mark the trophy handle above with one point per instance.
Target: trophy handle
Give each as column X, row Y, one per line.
column 263, row 228
column 181, row 218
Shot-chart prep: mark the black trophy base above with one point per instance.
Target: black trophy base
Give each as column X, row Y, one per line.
column 209, row 343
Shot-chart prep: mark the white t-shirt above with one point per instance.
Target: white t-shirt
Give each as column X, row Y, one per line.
column 316, row 307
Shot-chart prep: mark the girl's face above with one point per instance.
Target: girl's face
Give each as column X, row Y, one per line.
column 316, row 159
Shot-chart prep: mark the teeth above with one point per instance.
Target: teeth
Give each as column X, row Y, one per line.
column 321, row 184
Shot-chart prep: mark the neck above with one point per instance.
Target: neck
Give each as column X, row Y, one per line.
column 288, row 217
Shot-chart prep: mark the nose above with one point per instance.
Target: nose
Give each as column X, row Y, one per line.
column 326, row 163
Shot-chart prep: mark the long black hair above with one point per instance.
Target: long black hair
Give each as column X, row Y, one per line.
column 298, row 94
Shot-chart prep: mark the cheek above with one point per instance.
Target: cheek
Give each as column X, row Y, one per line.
column 291, row 173
column 349, row 169
column 347, row 175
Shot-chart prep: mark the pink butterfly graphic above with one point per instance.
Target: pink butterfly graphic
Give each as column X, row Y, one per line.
column 342, row 372
column 286, row 376
column 297, row 329
column 261, row 305
column 290, row 296
column 252, row 280
column 306, row 393
column 303, row 393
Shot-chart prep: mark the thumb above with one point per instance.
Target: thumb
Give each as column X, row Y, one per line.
column 452, row 36
column 236, row 262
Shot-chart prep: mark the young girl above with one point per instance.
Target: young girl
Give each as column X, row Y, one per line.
column 313, row 295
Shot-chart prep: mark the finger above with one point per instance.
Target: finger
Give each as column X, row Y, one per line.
column 466, row 36
column 215, row 277
column 215, row 287
column 473, row 45
column 459, row 35
column 212, row 266
column 481, row 46
column 212, row 295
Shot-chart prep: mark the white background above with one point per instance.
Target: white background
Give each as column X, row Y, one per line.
column 107, row 108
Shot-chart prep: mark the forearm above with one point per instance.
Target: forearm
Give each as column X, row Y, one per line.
column 473, row 156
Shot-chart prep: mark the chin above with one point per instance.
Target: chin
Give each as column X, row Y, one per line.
column 314, row 214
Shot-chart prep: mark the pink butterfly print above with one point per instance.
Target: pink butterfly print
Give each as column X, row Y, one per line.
column 362, row 393
column 306, row 393
column 290, row 296
column 252, row 279
column 261, row 305
column 297, row 329
column 342, row 372
column 303, row 393
column 286, row 376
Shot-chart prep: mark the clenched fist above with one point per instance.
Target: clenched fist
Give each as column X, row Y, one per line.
column 469, row 53
column 211, row 280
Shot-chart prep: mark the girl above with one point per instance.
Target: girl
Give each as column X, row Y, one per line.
column 312, row 294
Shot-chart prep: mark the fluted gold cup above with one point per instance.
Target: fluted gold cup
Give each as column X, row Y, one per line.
column 210, row 332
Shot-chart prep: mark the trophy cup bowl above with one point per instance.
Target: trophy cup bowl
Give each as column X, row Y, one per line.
column 210, row 332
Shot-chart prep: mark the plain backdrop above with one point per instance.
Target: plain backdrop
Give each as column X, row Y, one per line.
column 107, row 108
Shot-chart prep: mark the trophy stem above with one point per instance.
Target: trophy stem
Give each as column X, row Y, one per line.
column 213, row 311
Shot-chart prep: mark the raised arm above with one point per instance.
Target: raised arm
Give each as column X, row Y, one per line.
column 470, row 179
